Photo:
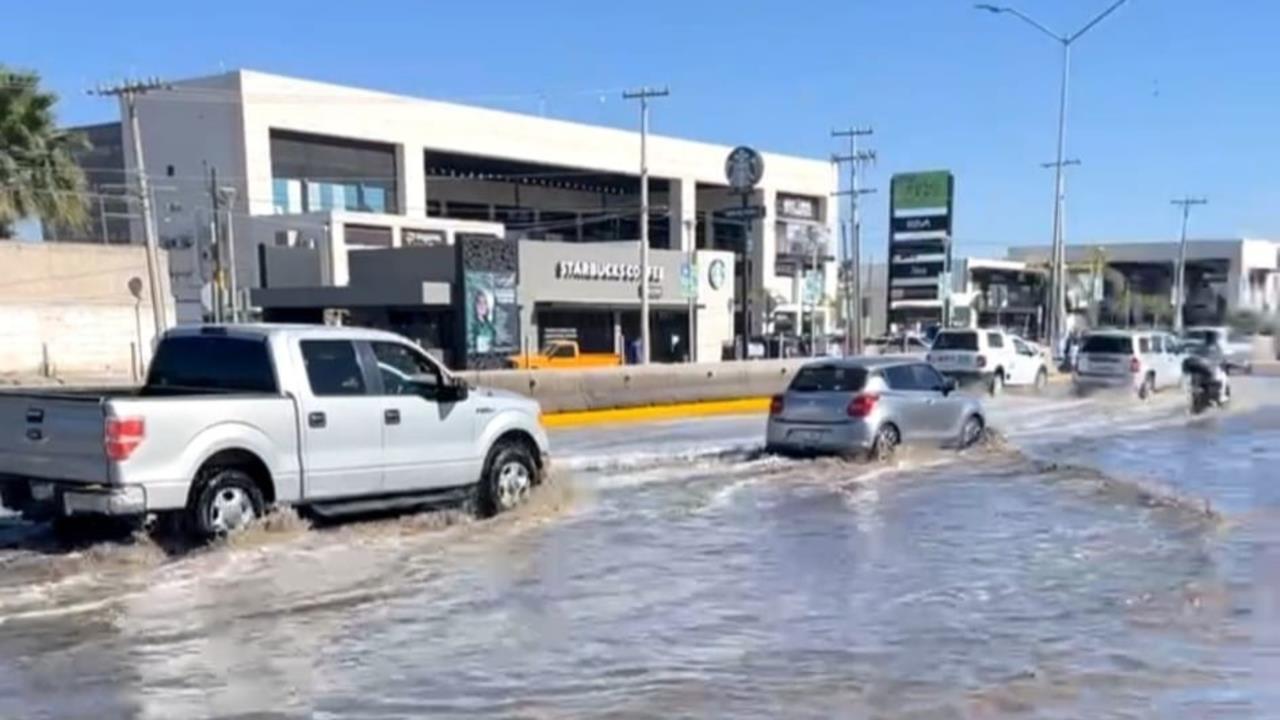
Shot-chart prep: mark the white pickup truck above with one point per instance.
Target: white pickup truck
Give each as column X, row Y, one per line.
column 234, row 420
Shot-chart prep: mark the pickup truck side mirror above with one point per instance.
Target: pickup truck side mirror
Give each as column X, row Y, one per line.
column 452, row 391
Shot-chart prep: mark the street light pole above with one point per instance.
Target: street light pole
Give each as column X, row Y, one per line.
column 1057, row 274
column 643, row 95
column 852, row 276
column 1179, row 303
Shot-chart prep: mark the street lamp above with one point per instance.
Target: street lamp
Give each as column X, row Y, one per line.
column 1056, row 275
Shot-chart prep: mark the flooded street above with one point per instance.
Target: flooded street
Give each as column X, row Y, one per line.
column 1101, row 559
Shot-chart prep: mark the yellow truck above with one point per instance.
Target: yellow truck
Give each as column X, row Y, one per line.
column 563, row 354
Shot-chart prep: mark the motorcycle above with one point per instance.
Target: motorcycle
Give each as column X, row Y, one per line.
column 1210, row 384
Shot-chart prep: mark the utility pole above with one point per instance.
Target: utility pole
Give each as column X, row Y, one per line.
column 215, row 245
column 227, row 199
column 852, row 275
column 128, row 93
column 1058, row 263
column 643, row 95
column 1180, row 302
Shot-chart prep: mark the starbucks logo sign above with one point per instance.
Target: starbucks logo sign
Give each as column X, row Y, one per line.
column 715, row 274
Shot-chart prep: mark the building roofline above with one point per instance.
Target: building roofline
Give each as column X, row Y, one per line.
column 242, row 80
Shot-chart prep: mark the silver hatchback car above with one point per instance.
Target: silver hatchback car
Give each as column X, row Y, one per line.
column 870, row 405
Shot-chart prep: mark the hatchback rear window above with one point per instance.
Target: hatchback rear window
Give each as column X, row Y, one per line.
column 829, row 378
column 956, row 341
column 1108, row 345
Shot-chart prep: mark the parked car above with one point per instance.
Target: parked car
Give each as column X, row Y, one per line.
column 870, row 405
column 991, row 359
column 563, row 354
column 1235, row 347
column 235, row 420
column 1140, row 361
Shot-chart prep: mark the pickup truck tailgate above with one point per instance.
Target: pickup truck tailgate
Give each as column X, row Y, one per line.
column 51, row 437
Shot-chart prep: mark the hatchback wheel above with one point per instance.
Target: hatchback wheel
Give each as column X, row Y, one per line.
column 972, row 431
column 886, row 442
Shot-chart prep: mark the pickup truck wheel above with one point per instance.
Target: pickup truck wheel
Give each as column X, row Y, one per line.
column 1042, row 379
column 997, row 384
column 228, row 500
column 508, row 479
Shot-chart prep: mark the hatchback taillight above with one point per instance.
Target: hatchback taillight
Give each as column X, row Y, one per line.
column 862, row 405
column 123, row 436
column 1135, row 366
column 775, row 405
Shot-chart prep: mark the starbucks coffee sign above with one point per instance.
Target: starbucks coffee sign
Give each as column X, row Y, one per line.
column 618, row 272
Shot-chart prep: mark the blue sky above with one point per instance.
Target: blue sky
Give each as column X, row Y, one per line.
column 1168, row 96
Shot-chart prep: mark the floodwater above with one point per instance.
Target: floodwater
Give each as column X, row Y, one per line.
column 1103, row 559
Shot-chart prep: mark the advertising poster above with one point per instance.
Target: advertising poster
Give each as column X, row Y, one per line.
column 492, row 312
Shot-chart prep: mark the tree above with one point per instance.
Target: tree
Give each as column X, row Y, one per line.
column 38, row 174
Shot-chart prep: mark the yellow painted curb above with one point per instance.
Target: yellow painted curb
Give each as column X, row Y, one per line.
column 648, row 413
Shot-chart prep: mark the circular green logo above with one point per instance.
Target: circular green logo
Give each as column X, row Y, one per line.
column 715, row 274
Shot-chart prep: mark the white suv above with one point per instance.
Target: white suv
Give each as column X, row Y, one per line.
column 1141, row 361
column 993, row 358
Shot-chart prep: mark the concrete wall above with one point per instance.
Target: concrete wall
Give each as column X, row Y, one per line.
column 66, row 309
column 604, row 388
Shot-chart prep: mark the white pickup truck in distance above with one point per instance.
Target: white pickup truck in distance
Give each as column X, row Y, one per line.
column 234, row 420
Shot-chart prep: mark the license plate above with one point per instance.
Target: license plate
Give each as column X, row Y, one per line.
column 944, row 358
column 41, row 491
column 806, row 436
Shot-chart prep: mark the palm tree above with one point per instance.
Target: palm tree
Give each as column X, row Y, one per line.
column 38, row 174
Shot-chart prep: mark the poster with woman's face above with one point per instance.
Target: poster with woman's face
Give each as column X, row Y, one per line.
column 492, row 313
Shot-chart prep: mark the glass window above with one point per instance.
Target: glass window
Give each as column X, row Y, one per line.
column 560, row 350
column 1157, row 343
column 204, row 362
column 338, row 173
column 995, row 341
column 1108, row 345
column 927, row 378
column 405, row 371
column 902, row 377
column 332, row 368
column 1021, row 347
column 953, row 340
column 829, row 378
column 1144, row 345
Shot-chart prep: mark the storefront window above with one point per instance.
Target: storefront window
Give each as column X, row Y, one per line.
column 312, row 173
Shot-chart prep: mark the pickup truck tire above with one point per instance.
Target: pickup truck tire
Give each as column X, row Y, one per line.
column 508, row 478
column 996, row 388
column 226, row 501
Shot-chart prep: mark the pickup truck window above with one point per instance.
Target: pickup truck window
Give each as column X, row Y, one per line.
column 403, row 371
column 332, row 368
column 201, row 362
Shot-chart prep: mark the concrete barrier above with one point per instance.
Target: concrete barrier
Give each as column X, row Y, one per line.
column 636, row 386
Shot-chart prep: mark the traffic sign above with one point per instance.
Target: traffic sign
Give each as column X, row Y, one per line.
column 689, row 280
column 743, row 168
column 747, row 212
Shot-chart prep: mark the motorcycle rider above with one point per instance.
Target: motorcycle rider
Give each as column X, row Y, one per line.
column 1206, row 368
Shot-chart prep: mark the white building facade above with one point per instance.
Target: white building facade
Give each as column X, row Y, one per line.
column 338, row 169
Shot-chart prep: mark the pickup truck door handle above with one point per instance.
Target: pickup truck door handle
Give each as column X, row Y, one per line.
column 391, row 417
column 316, row 420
